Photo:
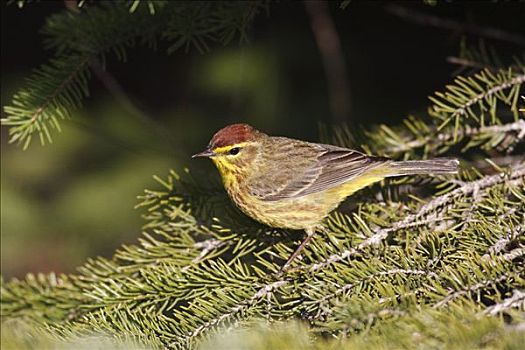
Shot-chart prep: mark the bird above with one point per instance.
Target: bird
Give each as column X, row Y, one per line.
column 294, row 184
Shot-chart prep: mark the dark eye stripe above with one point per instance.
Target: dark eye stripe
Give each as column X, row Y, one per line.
column 234, row 151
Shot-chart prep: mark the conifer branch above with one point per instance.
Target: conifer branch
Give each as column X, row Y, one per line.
column 240, row 307
column 341, row 290
column 150, row 289
column 485, row 95
column 329, row 45
column 503, row 242
column 517, row 300
column 510, row 256
column 475, row 287
column 82, row 40
column 37, row 109
column 201, row 267
column 431, row 141
column 515, row 177
column 479, row 90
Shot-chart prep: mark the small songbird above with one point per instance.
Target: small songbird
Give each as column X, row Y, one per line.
column 294, row 184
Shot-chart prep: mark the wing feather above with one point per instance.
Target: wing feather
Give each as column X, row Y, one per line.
column 317, row 167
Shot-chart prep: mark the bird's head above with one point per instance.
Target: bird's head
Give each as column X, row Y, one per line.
column 234, row 148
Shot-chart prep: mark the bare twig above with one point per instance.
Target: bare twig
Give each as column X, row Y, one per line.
column 329, row 45
column 464, row 62
column 118, row 92
column 426, row 19
column 114, row 87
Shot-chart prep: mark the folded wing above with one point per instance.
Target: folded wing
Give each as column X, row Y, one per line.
column 317, row 168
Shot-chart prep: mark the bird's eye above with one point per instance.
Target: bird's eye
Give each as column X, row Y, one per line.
column 234, row 151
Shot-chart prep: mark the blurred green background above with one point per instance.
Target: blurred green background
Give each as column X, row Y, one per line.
column 73, row 199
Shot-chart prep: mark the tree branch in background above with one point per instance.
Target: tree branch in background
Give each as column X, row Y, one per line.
column 464, row 62
column 329, row 45
column 117, row 91
column 425, row 19
column 58, row 88
column 119, row 94
column 72, row 5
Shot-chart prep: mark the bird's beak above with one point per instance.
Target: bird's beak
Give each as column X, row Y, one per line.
column 206, row 153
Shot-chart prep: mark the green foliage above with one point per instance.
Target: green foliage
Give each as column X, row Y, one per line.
column 19, row 335
column 449, row 256
column 474, row 97
column 441, row 267
column 53, row 91
column 185, row 281
column 81, row 42
column 422, row 329
column 475, row 111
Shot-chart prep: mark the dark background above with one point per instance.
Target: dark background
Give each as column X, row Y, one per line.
column 64, row 202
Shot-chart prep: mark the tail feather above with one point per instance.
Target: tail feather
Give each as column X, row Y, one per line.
column 431, row 166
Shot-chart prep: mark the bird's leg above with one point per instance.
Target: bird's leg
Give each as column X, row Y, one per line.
column 309, row 234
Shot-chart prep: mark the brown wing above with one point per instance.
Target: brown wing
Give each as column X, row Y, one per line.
column 316, row 167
